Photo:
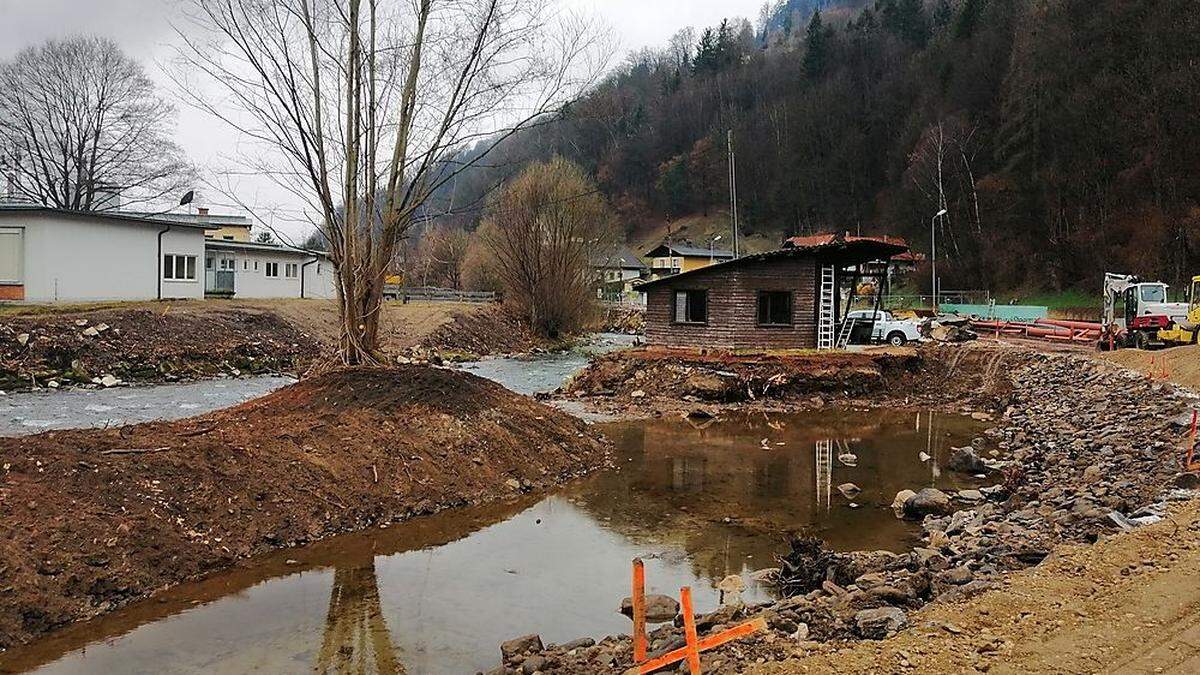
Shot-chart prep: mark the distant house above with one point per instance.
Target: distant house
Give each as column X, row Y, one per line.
column 668, row 259
column 53, row 255
column 244, row 269
column 58, row 255
column 785, row 299
column 617, row 274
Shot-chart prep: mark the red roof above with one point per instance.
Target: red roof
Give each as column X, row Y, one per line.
column 826, row 238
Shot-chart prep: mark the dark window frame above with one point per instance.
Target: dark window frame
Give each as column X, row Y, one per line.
column 791, row 306
column 675, row 318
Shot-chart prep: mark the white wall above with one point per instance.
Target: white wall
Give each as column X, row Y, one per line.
column 79, row 258
column 250, row 280
column 320, row 279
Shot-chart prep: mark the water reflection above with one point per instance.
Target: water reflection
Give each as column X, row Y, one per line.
column 357, row 639
column 696, row 500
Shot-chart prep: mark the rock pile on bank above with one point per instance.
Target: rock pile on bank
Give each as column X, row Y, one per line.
column 1086, row 449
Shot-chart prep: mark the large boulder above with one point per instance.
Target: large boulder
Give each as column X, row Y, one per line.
column 878, row 623
column 929, row 501
column 659, row 608
column 517, row 648
column 965, row 460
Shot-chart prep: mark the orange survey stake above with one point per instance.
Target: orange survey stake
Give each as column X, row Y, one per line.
column 639, row 611
column 695, row 645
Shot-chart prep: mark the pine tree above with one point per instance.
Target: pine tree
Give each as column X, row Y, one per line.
column 942, row 14
column 816, row 56
column 968, row 19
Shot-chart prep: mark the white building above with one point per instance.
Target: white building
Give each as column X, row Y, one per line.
column 57, row 255
column 249, row 270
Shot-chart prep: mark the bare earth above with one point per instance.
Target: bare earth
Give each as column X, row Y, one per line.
column 1129, row 604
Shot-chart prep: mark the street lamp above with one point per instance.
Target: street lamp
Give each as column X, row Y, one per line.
column 712, row 249
column 933, row 254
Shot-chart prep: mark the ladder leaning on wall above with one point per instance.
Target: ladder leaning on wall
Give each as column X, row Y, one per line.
column 825, row 327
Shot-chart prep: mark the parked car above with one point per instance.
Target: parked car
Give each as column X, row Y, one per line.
column 884, row 328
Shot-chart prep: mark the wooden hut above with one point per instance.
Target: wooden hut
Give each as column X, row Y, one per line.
column 791, row 298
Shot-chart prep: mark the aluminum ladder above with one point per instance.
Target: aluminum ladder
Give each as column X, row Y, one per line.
column 844, row 337
column 825, row 327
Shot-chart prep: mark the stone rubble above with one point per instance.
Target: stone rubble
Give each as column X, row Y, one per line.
column 1082, row 439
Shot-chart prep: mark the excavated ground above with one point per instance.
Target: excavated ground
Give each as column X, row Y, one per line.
column 1084, row 444
column 147, row 345
column 91, row 520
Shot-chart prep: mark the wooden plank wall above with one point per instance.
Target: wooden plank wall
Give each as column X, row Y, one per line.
column 733, row 307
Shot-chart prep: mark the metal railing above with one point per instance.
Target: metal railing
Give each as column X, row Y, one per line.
column 427, row 294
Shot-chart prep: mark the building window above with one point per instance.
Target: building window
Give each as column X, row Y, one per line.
column 179, row 267
column 12, row 255
column 245, row 265
column 691, row 306
column 255, row 265
column 290, row 270
column 318, row 268
column 272, row 270
column 227, row 237
column 774, row 308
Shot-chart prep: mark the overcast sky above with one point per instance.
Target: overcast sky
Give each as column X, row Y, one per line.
column 144, row 29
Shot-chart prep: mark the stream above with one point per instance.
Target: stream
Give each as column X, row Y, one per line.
column 697, row 500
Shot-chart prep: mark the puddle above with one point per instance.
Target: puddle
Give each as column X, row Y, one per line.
column 35, row 412
column 438, row 594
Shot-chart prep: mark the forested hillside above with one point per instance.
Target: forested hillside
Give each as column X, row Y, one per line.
column 1061, row 136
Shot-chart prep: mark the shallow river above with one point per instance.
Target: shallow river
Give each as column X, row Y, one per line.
column 696, row 500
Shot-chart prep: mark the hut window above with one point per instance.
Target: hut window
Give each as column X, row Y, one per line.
column 774, row 308
column 691, row 306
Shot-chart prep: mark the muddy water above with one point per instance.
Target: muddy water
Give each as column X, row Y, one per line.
column 35, row 412
column 697, row 501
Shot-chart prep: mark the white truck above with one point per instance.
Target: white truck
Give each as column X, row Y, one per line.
column 884, row 328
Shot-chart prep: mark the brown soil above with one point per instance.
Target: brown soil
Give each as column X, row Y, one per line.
column 1129, row 604
column 147, row 345
column 152, row 342
column 658, row 380
column 91, row 520
column 1180, row 365
column 485, row 331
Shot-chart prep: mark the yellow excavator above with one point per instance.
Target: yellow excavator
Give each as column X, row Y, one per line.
column 1187, row 330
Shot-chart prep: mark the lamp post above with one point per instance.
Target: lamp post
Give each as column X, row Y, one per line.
column 933, row 255
column 712, row 249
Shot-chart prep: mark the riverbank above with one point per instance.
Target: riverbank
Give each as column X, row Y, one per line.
column 92, row 520
column 1081, row 450
column 105, row 345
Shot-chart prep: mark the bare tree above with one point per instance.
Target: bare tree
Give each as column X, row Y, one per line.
column 545, row 231
column 82, row 128
column 438, row 257
column 365, row 104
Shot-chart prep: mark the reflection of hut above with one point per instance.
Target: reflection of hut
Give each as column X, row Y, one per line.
column 786, row 299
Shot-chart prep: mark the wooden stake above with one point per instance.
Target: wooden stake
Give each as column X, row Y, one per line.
column 689, row 630
column 639, row 611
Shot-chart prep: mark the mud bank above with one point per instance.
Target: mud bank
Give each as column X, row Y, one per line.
column 147, row 345
column 92, row 520
column 1086, row 450
column 651, row 380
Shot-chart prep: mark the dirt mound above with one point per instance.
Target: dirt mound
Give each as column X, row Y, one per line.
column 91, row 520
column 482, row 332
column 723, row 377
column 1180, row 365
column 147, row 346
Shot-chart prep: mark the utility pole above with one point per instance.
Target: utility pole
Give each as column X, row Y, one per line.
column 733, row 195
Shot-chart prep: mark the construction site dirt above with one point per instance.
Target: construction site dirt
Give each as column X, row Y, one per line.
column 91, row 520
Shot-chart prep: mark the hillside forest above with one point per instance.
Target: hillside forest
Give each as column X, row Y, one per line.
column 1061, row 137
